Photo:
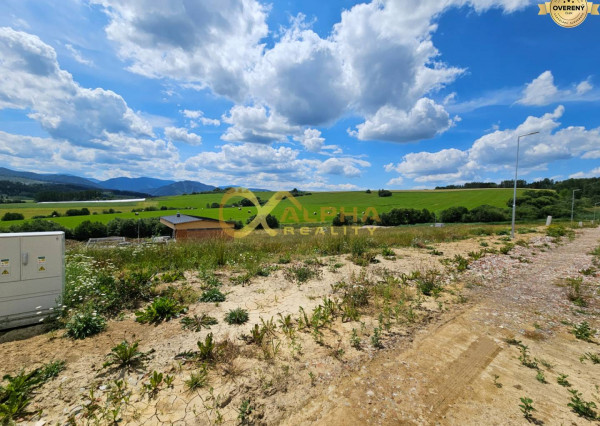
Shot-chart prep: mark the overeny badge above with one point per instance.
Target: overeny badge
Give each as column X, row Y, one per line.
column 568, row 13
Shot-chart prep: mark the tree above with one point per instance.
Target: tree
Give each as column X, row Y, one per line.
column 12, row 216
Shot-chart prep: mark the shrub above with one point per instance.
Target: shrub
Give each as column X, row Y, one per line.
column 583, row 331
column 212, row 295
column 75, row 212
column 236, row 316
column 428, row 283
column 87, row 229
column 82, row 325
column 384, row 193
column 12, row 216
column 272, row 221
column 161, row 309
column 453, row 214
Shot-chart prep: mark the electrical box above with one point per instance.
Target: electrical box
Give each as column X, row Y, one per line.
column 32, row 276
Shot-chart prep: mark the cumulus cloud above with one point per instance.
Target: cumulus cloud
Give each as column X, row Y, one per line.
column 256, row 124
column 311, row 140
column 496, row 151
column 208, row 43
column 182, row 135
column 542, row 91
column 197, row 115
column 423, row 121
column 378, row 61
column 76, row 54
column 33, row 80
column 345, row 166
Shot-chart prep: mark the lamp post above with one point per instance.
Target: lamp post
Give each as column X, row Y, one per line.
column 514, row 208
column 595, row 212
column 573, row 203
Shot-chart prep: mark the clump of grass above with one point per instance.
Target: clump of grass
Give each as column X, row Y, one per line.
column 197, row 323
column 301, row 274
column 387, row 252
column 525, row 358
column 580, row 406
column 583, row 331
column 207, row 349
column 575, row 293
column 557, row 231
column 506, row 248
column 428, row 283
column 460, row 263
column 244, row 412
column 236, row 316
column 197, row 380
column 125, row 355
column 85, row 324
column 172, row 276
column 161, row 309
column 15, row 396
column 595, row 358
column 540, row 377
column 184, row 294
column 212, row 295
column 562, row 380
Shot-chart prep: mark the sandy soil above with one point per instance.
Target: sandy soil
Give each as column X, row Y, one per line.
column 438, row 370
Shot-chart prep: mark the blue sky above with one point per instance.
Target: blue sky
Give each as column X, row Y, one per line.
column 312, row 94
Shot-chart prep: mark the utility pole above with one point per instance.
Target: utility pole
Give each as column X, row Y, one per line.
column 573, row 203
column 514, row 209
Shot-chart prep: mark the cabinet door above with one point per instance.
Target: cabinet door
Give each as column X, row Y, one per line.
column 10, row 259
column 41, row 257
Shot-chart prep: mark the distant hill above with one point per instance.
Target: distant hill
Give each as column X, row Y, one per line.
column 183, row 187
column 141, row 184
column 30, row 177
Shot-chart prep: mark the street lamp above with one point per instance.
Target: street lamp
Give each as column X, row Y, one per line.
column 573, row 203
column 514, row 209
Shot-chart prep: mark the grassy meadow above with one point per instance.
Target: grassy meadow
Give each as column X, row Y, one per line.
column 435, row 201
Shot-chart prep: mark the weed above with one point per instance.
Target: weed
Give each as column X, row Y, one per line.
column 284, row 259
column 244, row 412
column 125, row 355
column 428, row 283
column 595, row 358
column 196, row 323
column 476, row 255
column 161, row 309
column 545, row 363
column 287, row 325
column 591, row 271
column 496, row 382
column 207, row 349
column 388, row 252
column 562, row 380
column 506, row 248
column 583, row 331
column 172, row 276
column 82, row 325
column 300, row 274
column 354, row 339
column 580, row 406
column 540, row 377
column 376, row 338
column 526, row 359
column 155, row 384
column 575, row 293
column 197, row 380
column 236, row 316
column 527, row 408
column 212, row 295
column 313, row 378
column 460, row 263
column 184, row 294
column 435, row 252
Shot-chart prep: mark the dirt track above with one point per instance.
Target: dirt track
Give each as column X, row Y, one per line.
column 446, row 376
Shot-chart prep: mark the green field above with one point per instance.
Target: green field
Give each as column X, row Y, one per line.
column 435, row 201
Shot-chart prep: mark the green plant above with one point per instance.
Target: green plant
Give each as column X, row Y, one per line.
column 388, row 252
column 581, row 407
column 562, row 380
column 354, row 339
column 595, row 358
column 236, row 316
column 526, row 359
column 428, row 283
column 82, row 325
column 376, row 338
column 15, row 396
column 244, row 412
column 156, row 381
column 172, row 276
column 496, row 382
column 506, row 248
column 207, row 349
column 527, row 408
column 212, row 295
column 197, row 380
column 196, row 323
column 540, row 377
column 300, row 274
column 125, row 355
column 575, row 293
column 161, row 309
column 460, row 263
column 583, row 331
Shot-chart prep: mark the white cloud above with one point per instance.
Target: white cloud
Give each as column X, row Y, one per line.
column 32, row 79
column 311, row 140
column 344, row 166
column 207, row 43
column 256, row 124
column 76, row 54
column 395, row 182
column 542, row 91
column 194, row 115
column 423, row 121
column 496, row 151
column 592, row 173
column 181, row 135
column 378, row 62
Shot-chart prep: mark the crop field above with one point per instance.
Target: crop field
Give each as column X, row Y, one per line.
column 435, row 201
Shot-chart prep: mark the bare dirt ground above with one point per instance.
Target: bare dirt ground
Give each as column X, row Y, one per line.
column 450, row 364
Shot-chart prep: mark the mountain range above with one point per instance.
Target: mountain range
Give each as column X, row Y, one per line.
column 146, row 185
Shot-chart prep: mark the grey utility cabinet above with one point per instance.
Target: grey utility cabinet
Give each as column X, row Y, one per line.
column 32, row 276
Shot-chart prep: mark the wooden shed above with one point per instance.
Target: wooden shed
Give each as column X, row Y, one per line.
column 195, row 227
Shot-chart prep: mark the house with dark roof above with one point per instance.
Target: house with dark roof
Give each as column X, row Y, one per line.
column 196, row 227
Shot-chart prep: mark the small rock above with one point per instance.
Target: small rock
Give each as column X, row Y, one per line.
column 370, row 393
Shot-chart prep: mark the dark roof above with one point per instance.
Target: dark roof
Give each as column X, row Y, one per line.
column 183, row 218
